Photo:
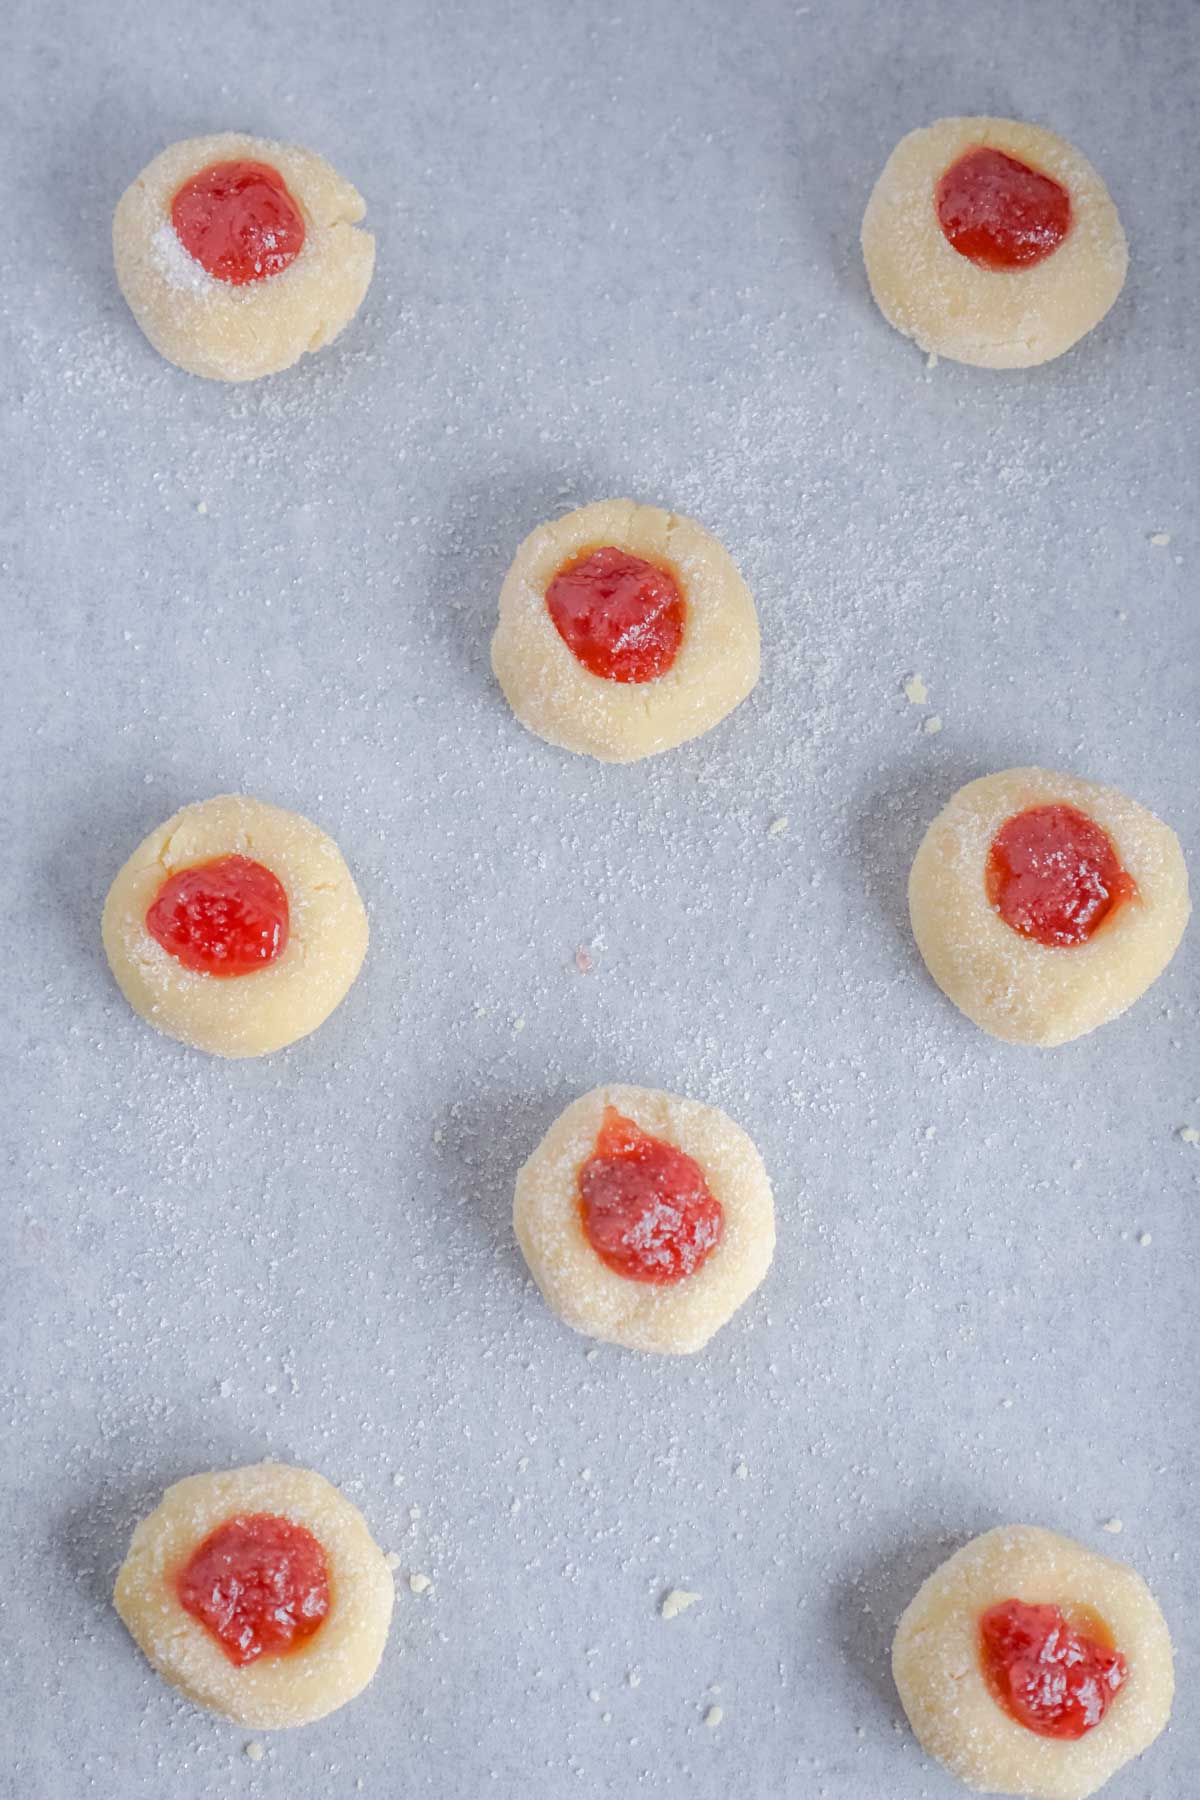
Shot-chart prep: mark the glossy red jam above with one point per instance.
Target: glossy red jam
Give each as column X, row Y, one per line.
column 647, row 1209
column 621, row 616
column 259, row 1583
column 1000, row 213
column 1053, row 1679
column 239, row 221
column 1054, row 876
column 225, row 917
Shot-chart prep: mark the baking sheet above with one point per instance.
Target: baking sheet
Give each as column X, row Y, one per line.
column 617, row 254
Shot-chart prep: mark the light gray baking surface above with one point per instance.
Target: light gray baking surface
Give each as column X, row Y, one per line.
column 617, row 254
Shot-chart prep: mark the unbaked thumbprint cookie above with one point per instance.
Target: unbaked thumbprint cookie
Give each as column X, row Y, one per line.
column 646, row 1220
column 1045, row 905
column 236, row 255
column 259, row 1593
column 624, row 631
column 992, row 242
column 1030, row 1665
column 235, row 927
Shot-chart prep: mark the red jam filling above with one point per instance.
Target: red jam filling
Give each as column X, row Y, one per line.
column 1000, row 213
column 1053, row 1679
column 259, row 1583
column 239, row 221
column 647, row 1209
column 621, row 616
column 225, row 917
column 1054, row 876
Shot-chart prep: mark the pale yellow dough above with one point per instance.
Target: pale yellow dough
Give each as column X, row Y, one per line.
column 1015, row 988
column 324, row 1671
column 994, row 318
column 240, row 1015
column 228, row 333
column 555, row 696
column 936, row 1664
column 593, row 1298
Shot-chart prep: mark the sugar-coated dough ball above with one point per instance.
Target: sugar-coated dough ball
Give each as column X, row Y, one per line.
column 996, row 318
column 938, row 1670
column 209, row 325
column 255, row 1013
column 1025, row 991
column 316, row 1676
column 594, row 1298
column 555, row 695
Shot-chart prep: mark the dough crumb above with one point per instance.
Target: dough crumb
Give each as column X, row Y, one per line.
column 634, row 1678
column 202, row 507
column 1189, row 1134
column 584, row 960
column 392, row 1560
column 397, row 1479
column 915, row 691
column 1145, row 1239
column 778, row 826
column 713, row 1717
column 1160, row 539
column 932, row 725
column 741, row 1471
column 1114, row 1525
column 676, row 1601
column 606, row 1718
column 256, row 1751
column 420, row 1584
column 931, row 361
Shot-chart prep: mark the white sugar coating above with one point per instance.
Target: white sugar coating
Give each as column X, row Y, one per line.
column 335, row 1220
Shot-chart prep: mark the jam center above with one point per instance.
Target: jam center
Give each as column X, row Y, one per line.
column 259, row 1583
column 225, row 917
column 1054, row 876
column 1053, row 1679
column 648, row 1212
column 239, row 221
column 621, row 616
column 1000, row 213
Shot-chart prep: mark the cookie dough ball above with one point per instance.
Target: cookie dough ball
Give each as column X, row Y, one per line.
column 1029, row 1665
column 235, row 927
column 1045, row 905
column 237, row 254
column 259, row 1593
column 992, row 242
column 645, row 1219
column 624, row 630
